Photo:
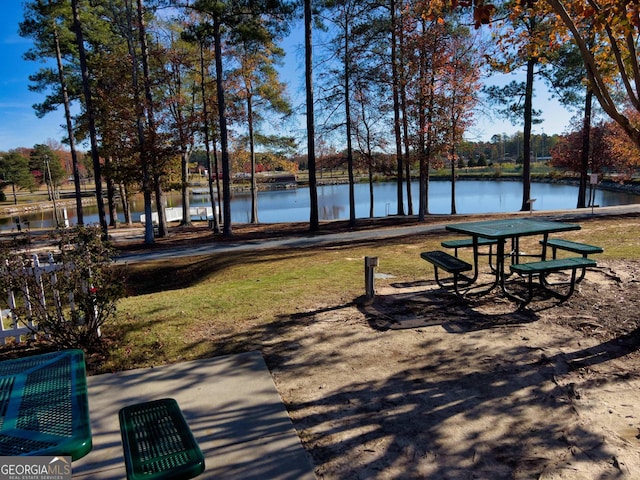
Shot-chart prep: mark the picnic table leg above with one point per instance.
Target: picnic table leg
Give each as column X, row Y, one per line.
column 543, row 255
column 572, row 285
column 441, row 283
column 521, row 301
column 476, row 255
column 492, row 267
column 524, row 301
column 543, row 278
column 515, row 250
column 499, row 267
column 500, row 275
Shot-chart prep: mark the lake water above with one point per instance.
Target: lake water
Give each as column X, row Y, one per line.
column 292, row 205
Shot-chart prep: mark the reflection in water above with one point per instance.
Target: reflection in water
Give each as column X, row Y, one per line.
column 292, row 205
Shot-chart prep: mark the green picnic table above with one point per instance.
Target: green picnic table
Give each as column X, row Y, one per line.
column 513, row 229
column 43, row 405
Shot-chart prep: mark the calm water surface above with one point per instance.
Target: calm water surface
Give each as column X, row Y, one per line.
column 292, row 205
column 471, row 197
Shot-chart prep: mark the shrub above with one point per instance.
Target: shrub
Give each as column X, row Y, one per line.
column 70, row 300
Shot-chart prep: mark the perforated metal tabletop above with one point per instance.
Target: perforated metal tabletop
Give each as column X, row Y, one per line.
column 43, row 405
column 511, row 227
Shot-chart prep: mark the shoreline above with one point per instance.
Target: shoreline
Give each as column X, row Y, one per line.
column 629, row 187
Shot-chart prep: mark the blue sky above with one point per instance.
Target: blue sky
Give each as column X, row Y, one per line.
column 19, row 126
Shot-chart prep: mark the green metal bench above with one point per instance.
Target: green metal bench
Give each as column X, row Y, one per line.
column 545, row 267
column 158, row 443
column 448, row 263
column 571, row 246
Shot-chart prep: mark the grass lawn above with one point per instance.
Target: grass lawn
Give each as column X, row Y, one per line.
column 195, row 307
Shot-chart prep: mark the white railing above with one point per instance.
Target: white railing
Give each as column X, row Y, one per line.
column 174, row 214
column 28, row 290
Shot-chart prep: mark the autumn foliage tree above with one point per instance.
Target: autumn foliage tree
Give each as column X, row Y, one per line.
column 613, row 67
column 428, row 58
column 259, row 88
column 441, row 74
column 567, row 153
column 610, row 148
column 625, row 152
column 461, row 74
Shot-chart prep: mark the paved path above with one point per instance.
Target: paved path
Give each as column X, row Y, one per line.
column 231, row 405
column 355, row 236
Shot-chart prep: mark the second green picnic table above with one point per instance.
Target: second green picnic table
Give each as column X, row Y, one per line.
column 512, row 229
column 43, row 405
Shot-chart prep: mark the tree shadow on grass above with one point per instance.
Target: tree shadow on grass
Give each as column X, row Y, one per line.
column 183, row 272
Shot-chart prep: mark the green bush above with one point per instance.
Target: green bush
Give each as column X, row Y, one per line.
column 71, row 300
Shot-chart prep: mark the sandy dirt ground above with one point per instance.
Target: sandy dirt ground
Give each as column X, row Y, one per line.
column 417, row 384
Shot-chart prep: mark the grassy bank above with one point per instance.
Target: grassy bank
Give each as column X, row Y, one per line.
column 193, row 307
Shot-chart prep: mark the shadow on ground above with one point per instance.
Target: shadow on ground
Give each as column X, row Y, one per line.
column 421, row 304
column 399, row 397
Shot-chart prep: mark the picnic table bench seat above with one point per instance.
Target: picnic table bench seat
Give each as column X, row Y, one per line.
column 571, row 246
column 545, row 267
column 448, row 263
column 158, row 443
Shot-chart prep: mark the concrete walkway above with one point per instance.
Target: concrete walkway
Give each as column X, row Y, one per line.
column 351, row 236
column 231, row 405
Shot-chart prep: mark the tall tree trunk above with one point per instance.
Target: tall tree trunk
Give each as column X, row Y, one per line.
column 252, row 153
column 216, row 164
column 111, row 194
column 205, row 114
column 311, row 155
column 423, row 203
column 371, row 199
column 586, row 139
column 407, row 162
column 405, row 120
column 368, row 156
column 151, row 123
column 222, row 119
column 185, row 156
column 184, row 191
column 396, row 107
column 428, row 151
column 93, row 137
column 161, row 204
column 347, row 112
column 72, row 139
column 526, row 150
column 145, row 163
column 422, row 182
column 124, row 196
column 453, row 172
column 51, row 190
